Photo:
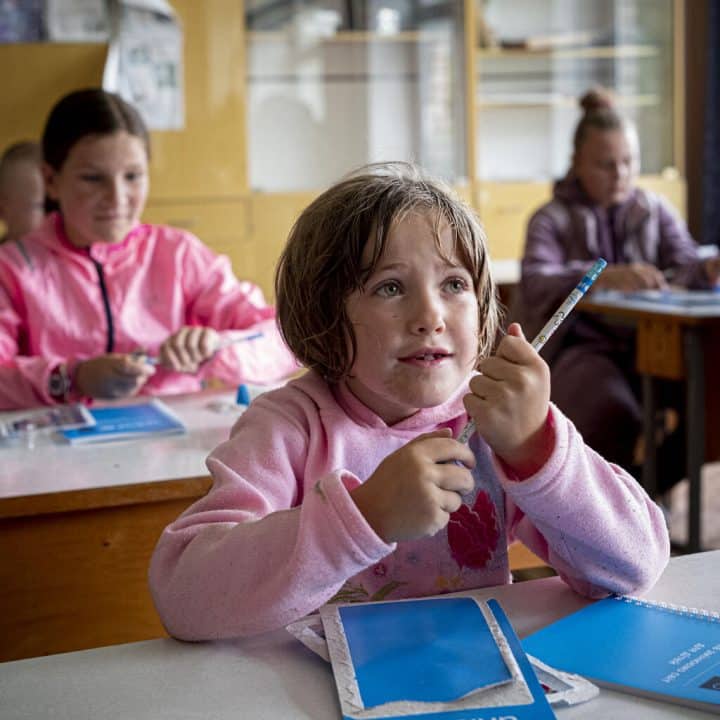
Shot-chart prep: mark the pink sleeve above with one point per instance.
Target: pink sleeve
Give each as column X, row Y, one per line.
column 253, row 555
column 23, row 380
column 589, row 519
column 217, row 299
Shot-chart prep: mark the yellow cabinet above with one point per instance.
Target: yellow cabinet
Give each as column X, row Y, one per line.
column 504, row 209
column 207, row 159
column 35, row 76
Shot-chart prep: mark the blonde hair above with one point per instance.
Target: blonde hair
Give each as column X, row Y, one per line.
column 322, row 263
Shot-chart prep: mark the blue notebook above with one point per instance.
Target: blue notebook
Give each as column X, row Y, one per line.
column 123, row 422
column 431, row 658
column 652, row 649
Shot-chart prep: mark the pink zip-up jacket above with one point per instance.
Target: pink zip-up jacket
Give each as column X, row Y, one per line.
column 59, row 303
column 279, row 534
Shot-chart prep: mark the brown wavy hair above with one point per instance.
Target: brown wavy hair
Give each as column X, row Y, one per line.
column 322, row 263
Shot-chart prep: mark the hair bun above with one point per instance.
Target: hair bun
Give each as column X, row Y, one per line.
column 597, row 99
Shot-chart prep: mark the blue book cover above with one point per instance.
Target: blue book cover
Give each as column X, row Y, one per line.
column 652, row 649
column 123, row 422
column 449, row 658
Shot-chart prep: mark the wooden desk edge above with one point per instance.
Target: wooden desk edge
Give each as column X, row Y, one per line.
column 113, row 496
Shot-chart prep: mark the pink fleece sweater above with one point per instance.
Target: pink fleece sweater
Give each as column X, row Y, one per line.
column 278, row 534
column 53, row 309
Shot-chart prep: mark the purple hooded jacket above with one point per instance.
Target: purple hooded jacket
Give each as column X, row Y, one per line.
column 566, row 235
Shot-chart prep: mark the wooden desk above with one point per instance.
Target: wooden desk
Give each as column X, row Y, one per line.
column 274, row 676
column 78, row 526
column 675, row 344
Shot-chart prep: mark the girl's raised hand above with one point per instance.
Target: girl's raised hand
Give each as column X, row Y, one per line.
column 509, row 402
column 114, row 375
column 187, row 348
column 413, row 491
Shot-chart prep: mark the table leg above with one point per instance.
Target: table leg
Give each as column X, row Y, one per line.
column 649, row 470
column 695, row 399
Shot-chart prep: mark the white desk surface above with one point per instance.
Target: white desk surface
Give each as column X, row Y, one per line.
column 56, row 466
column 635, row 301
column 273, row 676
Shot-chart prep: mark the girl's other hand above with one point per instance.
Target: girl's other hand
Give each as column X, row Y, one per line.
column 510, row 401
column 190, row 346
column 631, row 277
column 114, row 375
column 413, row 491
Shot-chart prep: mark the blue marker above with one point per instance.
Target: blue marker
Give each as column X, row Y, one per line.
column 553, row 323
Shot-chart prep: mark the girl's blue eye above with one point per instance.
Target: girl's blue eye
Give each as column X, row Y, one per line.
column 90, row 178
column 133, row 176
column 389, row 289
column 457, row 285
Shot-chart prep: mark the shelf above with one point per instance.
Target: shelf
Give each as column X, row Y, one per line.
column 518, row 100
column 345, row 36
column 611, row 52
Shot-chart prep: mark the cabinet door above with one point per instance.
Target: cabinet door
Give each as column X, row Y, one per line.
column 207, row 159
column 36, row 76
column 505, row 209
column 332, row 86
column 535, row 58
column 271, row 218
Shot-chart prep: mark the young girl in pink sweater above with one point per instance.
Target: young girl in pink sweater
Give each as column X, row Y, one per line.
column 348, row 483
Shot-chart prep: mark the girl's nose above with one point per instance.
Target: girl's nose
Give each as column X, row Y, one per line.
column 428, row 318
column 114, row 190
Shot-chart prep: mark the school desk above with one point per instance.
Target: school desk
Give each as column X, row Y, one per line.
column 273, row 676
column 78, row 525
column 675, row 344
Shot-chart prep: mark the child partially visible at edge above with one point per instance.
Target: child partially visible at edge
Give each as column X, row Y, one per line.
column 348, row 484
column 22, row 191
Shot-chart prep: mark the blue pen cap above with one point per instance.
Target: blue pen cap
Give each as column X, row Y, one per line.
column 243, row 395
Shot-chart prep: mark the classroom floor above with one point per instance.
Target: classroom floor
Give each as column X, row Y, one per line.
column 710, row 513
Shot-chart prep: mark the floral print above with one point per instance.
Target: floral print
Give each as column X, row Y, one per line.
column 473, row 533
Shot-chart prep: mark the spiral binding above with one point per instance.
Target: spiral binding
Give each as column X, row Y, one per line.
column 698, row 613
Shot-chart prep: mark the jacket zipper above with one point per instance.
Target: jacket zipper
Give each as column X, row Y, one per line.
column 106, row 304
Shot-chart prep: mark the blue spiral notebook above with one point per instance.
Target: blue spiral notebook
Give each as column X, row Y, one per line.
column 430, row 659
column 124, row 422
column 651, row 649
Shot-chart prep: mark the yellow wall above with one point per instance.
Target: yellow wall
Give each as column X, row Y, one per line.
column 199, row 176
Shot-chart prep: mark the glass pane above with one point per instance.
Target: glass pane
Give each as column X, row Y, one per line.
column 537, row 57
column 335, row 85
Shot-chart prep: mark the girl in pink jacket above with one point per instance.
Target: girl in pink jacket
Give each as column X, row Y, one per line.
column 91, row 295
column 348, row 482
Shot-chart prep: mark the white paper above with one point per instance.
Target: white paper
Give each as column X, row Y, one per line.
column 77, row 20
column 144, row 64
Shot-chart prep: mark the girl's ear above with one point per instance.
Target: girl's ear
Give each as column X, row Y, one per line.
column 50, row 178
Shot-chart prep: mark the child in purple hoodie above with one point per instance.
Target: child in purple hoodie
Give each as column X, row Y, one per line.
column 348, row 483
column 597, row 211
